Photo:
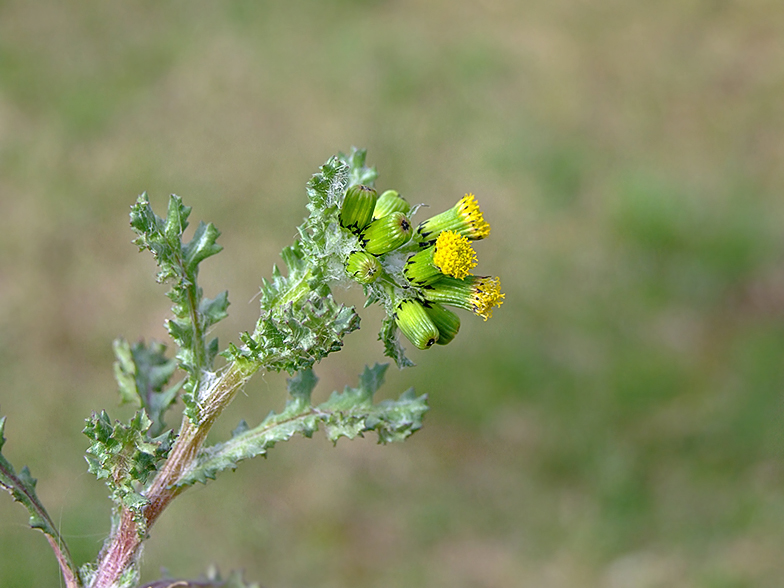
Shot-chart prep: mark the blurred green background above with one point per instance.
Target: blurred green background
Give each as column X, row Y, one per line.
column 618, row 423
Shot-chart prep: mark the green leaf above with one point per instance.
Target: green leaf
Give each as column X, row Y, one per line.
column 125, row 456
column 215, row 309
column 358, row 173
column 202, row 245
column 179, row 262
column 300, row 322
column 282, row 290
column 295, row 337
column 350, row 413
column 142, row 371
column 326, row 188
column 21, row 486
column 353, row 413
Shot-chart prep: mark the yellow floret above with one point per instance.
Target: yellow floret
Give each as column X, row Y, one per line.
column 468, row 209
column 454, row 255
column 486, row 295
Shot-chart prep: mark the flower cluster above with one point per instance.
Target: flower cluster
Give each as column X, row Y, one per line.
column 418, row 271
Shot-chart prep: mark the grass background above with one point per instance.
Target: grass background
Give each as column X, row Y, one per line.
column 618, row 423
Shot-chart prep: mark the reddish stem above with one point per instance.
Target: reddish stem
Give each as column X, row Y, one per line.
column 125, row 544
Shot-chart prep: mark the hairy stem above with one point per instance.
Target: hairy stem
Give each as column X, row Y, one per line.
column 215, row 395
column 124, row 546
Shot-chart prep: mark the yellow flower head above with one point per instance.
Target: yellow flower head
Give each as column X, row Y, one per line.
column 468, row 209
column 464, row 218
column 454, row 255
column 486, row 295
column 479, row 294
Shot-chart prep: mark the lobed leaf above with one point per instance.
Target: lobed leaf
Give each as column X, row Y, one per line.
column 350, row 413
column 125, row 456
column 298, row 335
column 327, row 187
column 142, row 371
column 178, row 261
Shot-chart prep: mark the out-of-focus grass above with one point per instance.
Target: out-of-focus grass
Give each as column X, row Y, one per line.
column 617, row 423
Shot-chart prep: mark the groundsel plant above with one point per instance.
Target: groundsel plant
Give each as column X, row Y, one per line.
column 351, row 235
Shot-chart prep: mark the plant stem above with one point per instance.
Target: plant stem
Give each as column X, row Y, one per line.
column 124, row 546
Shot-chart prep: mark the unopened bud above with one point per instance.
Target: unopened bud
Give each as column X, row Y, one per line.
column 389, row 202
column 446, row 321
column 386, row 234
column 416, row 324
column 357, row 209
column 362, row 267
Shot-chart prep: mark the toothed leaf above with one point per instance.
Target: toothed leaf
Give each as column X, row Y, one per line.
column 178, row 261
column 142, row 371
column 295, row 337
column 350, row 413
column 125, row 456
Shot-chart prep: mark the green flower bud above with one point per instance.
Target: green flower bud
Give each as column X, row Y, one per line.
column 479, row 294
column 464, row 218
column 357, row 209
column 416, row 324
column 389, row 202
column 420, row 269
column 386, row 234
column 362, row 267
column 446, row 321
